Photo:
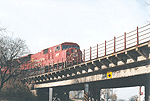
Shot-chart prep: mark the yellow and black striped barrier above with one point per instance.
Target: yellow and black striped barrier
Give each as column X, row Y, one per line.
column 86, row 97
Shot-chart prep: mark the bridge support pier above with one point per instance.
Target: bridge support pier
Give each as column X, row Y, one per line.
column 50, row 94
column 94, row 92
column 61, row 93
column 91, row 91
column 43, row 94
column 147, row 88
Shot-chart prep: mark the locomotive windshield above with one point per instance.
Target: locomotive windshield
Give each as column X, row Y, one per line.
column 69, row 46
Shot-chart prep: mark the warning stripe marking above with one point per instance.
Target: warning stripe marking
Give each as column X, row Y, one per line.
column 86, row 97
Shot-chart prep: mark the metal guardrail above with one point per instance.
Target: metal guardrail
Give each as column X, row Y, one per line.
column 135, row 37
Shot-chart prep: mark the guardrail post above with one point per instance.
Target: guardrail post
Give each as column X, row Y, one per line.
column 105, row 47
column 97, row 50
column 137, row 36
column 114, row 44
column 90, row 52
column 124, row 40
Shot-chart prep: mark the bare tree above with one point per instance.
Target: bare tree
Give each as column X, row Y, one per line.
column 10, row 52
column 2, row 29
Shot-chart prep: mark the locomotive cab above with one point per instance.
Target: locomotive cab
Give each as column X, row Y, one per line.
column 73, row 53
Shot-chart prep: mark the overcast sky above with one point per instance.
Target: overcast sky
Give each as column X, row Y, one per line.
column 45, row 23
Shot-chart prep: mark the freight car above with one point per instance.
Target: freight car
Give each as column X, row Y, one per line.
column 53, row 58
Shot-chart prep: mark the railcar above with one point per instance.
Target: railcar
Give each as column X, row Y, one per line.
column 53, row 58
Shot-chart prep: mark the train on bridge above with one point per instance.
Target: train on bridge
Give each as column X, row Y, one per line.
column 68, row 53
column 52, row 58
column 63, row 68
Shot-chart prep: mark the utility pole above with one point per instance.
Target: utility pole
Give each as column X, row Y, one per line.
column 106, row 94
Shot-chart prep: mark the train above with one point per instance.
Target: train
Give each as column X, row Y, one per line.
column 53, row 58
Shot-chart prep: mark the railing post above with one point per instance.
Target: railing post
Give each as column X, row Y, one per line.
column 114, row 44
column 97, row 50
column 124, row 40
column 105, row 47
column 90, row 53
column 137, row 36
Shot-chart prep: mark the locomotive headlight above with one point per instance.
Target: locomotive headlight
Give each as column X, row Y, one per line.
column 75, row 50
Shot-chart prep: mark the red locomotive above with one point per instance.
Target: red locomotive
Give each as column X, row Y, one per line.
column 53, row 58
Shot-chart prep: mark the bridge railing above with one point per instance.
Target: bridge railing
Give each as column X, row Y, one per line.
column 132, row 38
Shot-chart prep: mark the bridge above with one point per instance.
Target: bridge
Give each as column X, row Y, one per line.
column 123, row 61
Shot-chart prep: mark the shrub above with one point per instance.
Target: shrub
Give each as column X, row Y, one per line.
column 16, row 91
